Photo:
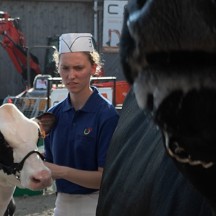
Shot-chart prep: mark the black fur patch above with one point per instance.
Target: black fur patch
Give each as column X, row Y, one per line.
column 6, row 153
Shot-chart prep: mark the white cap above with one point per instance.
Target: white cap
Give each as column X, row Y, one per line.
column 76, row 42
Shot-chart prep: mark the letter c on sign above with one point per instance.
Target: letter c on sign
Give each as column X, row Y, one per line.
column 111, row 9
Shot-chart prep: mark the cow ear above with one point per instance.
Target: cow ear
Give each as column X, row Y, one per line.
column 46, row 122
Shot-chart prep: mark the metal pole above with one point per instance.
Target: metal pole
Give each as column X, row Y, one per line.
column 28, row 69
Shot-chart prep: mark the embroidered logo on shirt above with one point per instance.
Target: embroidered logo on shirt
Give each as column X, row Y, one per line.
column 87, row 131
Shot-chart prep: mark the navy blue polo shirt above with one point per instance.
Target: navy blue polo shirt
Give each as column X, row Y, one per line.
column 81, row 138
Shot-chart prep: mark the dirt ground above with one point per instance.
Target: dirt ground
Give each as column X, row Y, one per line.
column 37, row 205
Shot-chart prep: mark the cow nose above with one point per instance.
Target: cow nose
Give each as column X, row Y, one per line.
column 41, row 180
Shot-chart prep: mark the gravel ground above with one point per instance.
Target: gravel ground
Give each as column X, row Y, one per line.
column 37, row 205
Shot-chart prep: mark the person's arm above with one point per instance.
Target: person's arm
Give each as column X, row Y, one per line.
column 88, row 179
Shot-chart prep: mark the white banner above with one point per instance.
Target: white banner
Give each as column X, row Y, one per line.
column 112, row 24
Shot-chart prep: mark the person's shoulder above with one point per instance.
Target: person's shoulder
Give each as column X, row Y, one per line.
column 58, row 107
column 100, row 98
column 104, row 103
column 107, row 110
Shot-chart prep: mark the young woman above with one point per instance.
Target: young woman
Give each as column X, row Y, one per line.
column 75, row 150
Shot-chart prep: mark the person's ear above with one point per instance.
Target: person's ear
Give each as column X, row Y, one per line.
column 94, row 69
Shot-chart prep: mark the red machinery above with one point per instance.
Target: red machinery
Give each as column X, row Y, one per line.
column 13, row 42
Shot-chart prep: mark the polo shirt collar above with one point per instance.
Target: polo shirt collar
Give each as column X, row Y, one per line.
column 88, row 107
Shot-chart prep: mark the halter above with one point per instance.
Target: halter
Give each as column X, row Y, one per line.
column 15, row 168
column 178, row 153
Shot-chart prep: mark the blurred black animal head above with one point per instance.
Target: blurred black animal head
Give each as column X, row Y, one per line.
column 168, row 53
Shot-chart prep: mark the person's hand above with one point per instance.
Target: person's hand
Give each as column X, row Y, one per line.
column 56, row 170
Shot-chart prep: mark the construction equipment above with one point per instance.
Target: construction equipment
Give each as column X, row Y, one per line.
column 33, row 100
column 13, row 42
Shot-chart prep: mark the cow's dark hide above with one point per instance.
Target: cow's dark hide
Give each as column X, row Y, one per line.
column 6, row 153
column 139, row 178
column 168, row 52
column 11, row 208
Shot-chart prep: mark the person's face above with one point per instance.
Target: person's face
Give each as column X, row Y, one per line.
column 75, row 70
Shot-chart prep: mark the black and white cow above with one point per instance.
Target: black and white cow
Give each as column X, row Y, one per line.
column 168, row 53
column 20, row 162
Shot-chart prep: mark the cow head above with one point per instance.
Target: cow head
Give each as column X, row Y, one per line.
column 168, row 53
column 20, row 162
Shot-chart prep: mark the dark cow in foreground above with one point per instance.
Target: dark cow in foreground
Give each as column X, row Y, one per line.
column 139, row 178
column 20, row 163
column 168, row 53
